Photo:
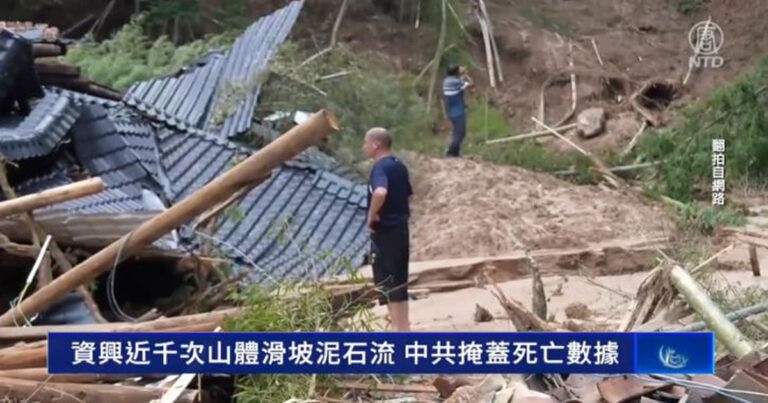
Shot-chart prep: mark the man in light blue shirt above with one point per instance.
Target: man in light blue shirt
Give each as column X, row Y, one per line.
column 456, row 81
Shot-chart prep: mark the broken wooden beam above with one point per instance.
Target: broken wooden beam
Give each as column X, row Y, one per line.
column 51, row 197
column 77, row 393
column 312, row 131
column 731, row 337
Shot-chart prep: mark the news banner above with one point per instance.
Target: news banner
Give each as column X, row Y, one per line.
column 380, row 353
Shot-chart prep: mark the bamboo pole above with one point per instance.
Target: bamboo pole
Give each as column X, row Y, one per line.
column 50, row 197
column 697, row 298
column 734, row 316
column 208, row 320
column 77, row 393
column 41, row 374
column 321, row 125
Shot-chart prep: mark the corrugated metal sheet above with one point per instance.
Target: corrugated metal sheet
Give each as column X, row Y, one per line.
column 206, row 96
column 302, row 223
column 38, row 133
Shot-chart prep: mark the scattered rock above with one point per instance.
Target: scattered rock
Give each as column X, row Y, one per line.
column 482, row 314
column 590, row 122
column 577, row 310
column 558, row 291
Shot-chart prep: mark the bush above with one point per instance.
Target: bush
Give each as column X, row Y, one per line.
column 737, row 114
column 365, row 95
column 131, row 56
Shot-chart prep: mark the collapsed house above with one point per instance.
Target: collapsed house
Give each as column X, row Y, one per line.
column 161, row 141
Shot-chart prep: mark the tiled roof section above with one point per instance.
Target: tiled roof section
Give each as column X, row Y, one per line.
column 102, row 150
column 81, row 98
column 321, row 214
column 181, row 101
column 38, row 133
column 199, row 97
column 246, row 61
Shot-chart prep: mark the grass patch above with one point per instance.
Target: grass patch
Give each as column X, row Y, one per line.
column 291, row 307
column 691, row 6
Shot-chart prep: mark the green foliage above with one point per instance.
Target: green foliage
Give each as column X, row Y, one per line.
column 738, row 114
column 291, row 307
column 691, row 6
column 456, row 35
column 704, row 220
column 131, row 56
column 364, row 95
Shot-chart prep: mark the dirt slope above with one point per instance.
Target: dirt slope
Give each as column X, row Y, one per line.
column 637, row 40
column 464, row 208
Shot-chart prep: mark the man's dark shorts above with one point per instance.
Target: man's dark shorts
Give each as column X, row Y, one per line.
column 391, row 247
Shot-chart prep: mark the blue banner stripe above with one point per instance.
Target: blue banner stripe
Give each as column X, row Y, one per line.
column 380, row 353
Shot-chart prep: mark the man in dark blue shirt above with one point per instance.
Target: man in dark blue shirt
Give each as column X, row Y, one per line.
column 389, row 191
column 456, row 81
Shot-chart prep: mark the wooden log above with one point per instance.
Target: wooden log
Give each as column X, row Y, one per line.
column 50, row 197
column 41, row 374
column 23, row 357
column 78, row 393
column 731, row 337
column 198, row 322
column 47, row 50
column 61, row 69
column 754, row 261
column 318, row 127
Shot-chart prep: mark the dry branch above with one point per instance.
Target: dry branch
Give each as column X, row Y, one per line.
column 614, row 180
column 387, row 387
column 523, row 319
column 285, row 147
column 530, row 135
column 636, row 137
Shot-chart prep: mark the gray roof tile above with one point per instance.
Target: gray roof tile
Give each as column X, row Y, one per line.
column 197, row 97
column 40, row 132
column 284, row 224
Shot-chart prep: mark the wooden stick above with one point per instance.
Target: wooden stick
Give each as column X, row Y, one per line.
column 488, row 51
column 728, row 334
column 636, row 137
column 696, row 53
column 312, row 131
column 208, row 319
column 41, row 374
column 754, row 261
column 77, row 392
column 50, row 197
column 439, row 50
column 609, row 177
column 383, row 387
column 620, row 168
column 597, row 52
column 530, row 135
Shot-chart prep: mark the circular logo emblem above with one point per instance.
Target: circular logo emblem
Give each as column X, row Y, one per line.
column 706, row 37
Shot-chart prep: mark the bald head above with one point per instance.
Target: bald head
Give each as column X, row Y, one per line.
column 380, row 136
